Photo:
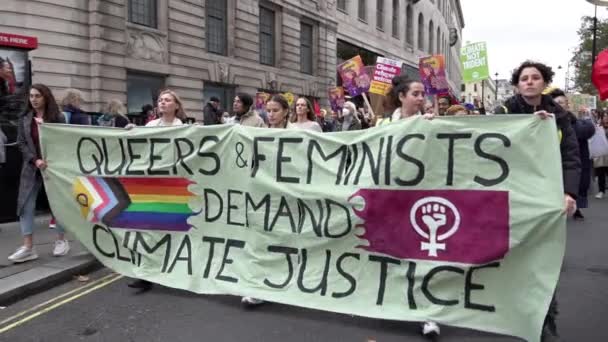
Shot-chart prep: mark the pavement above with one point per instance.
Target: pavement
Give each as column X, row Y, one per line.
column 18, row 281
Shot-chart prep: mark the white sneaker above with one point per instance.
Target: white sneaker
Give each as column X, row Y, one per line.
column 599, row 195
column 250, row 301
column 430, row 329
column 62, row 247
column 23, row 254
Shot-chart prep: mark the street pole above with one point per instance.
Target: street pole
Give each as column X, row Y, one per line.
column 496, row 88
column 594, row 37
column 567, row 76
column 483, row 94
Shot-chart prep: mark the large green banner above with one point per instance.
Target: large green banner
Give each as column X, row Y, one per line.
column 474, row 61
column 457, row 220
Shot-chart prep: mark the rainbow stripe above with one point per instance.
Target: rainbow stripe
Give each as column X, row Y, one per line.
column 143, row 203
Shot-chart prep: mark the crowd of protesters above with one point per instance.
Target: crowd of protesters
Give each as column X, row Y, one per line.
column 406, row 100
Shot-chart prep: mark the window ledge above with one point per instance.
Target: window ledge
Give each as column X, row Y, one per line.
column 380, row 29
column 342, row 10
column 363, row 20
column 146, row 28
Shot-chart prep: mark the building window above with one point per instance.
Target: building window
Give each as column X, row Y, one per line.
column 396, row 19
column 438, row 38
column 380, row 14
column 463, row 87
column 217, row 27
column 361, row 11
column 420, row 32
column 409, row 25
column 431, row 37
column 142, row 89
column 143, row 12
column 306, row 44
column 475, row 87
column 267, row 36
column 342, row 5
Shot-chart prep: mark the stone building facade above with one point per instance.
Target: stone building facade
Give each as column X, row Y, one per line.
column 129, row 49
column 404, row 30
column 480, row 92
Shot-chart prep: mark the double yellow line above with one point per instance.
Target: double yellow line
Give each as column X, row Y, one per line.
column 42, row 308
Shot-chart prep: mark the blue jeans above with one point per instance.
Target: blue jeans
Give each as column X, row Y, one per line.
column 26, row 219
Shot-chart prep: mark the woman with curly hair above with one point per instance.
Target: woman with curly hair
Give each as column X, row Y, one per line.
column 530, row 79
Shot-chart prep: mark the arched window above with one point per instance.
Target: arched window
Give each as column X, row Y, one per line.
column 396, row 19
column 431, row 45
column 438, row 37
column 409, row 25
column 420, row 32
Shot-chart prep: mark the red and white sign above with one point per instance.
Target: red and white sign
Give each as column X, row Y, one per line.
column 385, row 70
column 17, row 41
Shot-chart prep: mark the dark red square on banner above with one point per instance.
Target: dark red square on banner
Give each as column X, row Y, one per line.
column 464, row 226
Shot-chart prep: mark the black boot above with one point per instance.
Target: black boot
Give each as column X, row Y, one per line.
column 141, row 284
column 578, row 215
column 549, row 332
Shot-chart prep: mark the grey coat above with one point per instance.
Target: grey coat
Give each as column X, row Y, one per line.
column 28, row 151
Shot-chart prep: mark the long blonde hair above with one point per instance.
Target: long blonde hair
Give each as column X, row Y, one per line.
column 72, row 97
column 115, row 107
column 180, row 113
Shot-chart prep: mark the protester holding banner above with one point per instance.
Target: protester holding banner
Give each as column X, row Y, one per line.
column 41, row 107
column 277, row 108
column 584, row 130
column 304, row 117
column 171, row 110
column 531, row 78
column 244, row 113
column 171, row 114
column 409, row 98
column 348, row 120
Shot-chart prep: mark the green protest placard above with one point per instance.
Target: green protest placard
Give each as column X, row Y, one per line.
column 474, row 61
column 452, row 220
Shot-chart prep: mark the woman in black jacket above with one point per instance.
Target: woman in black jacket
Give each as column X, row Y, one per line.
column 584, row 130
column 531, row 79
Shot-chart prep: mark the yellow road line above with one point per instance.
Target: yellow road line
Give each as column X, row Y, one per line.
column 56, row 305
column 90, row 284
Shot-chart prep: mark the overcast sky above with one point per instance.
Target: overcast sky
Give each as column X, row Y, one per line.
column 516, row 30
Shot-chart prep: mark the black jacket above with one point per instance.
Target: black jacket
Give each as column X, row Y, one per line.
column 584, row 130
column 211, row 116
column 77, row 116
column 571, row 162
